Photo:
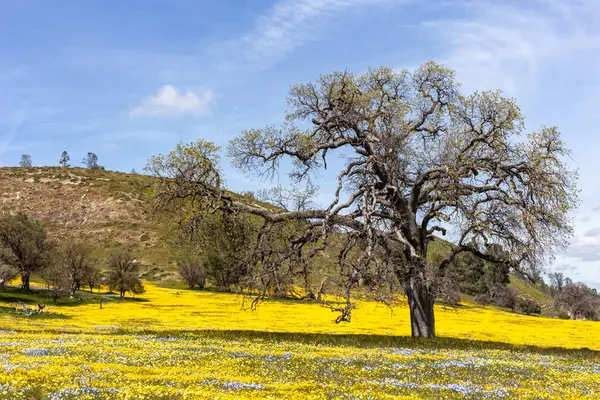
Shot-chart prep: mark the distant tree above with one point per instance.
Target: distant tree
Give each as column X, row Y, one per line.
column 26, row 161
column 64, row 159
column 58, row 280
column 568, row 281
column 191, row 270
column 25, row 245
column 93, row 278
column 506, row 297
column 557, row 281
column 133, row 171
column 7, row 273
column 468, row 271
column 483, row 299
column 79, row 263
column 476, row 276
column 225, row 240
column 91, row 161
column 449, row 291
column 123, row 274
column 579, row 302
column 528, row 305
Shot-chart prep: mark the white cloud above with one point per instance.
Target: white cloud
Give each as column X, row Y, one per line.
column 170, row 103
column 288, row 25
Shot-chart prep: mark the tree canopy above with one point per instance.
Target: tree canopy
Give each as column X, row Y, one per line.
column 24, row 245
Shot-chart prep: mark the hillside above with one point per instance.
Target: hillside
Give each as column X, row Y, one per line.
column 112, row 208
column 102, row 207
column 172, row 342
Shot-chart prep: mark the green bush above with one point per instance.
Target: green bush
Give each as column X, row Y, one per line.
column 528, row 306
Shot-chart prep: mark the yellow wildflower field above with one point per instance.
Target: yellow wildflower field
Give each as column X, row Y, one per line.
column 183, row 344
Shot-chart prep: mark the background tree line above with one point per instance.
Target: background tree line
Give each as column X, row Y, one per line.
column 90, row 161
column 65, row 267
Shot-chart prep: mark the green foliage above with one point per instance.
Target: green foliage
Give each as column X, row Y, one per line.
column 7, row 273
column 123, row 273
column 24, row 245
column 225, row 241
column 528, row 306
column 196, row 162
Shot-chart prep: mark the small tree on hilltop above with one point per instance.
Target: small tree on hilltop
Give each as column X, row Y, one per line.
column 64, row 159
column 25, row 245
column 90, row 161
column 420, row 159
column 25, row 161
column 123, row 274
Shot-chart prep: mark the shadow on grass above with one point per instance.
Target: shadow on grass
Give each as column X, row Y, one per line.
column 41, row 296
column 43, row 315
column 373, row 341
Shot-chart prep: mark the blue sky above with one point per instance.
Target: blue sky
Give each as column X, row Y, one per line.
column 129, row 79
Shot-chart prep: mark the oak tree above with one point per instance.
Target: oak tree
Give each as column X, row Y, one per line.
column 24, row 245
column 420, row 160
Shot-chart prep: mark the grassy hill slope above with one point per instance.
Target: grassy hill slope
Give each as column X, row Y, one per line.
column 107, row 209
column 110, row 209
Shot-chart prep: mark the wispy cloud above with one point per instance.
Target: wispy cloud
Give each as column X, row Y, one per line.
column 595, row 232
column 505, row 44
column 287, row 25
column 170, row 103
column 7, row 140
column 584, row 248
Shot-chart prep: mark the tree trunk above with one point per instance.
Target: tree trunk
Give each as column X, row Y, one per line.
column 420, row 301
column 122, row 293
column 25, row 281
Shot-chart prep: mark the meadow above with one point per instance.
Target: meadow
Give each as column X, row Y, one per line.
column 183, row 344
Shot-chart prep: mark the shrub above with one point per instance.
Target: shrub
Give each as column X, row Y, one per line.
column 192, row 271
column 528, row 306
column 58, row 280
column 124, row 274
column 24, row 245
column 506, row 297
column 483, row 299
column 449, row 292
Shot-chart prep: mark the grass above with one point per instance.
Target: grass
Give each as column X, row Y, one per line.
column 176, row 343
